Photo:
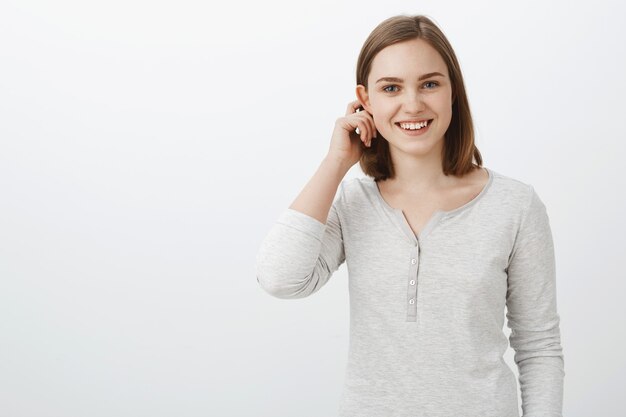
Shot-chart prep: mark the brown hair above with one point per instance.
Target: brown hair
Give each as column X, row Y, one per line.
column 459, row 149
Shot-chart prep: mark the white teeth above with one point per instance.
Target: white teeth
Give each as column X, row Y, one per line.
column 413, row 126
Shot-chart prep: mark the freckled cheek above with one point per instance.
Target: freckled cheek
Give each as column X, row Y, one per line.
column 383, row 121
column 441, row 103
column 383, row 115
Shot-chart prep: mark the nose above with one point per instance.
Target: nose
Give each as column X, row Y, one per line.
column 414, row 102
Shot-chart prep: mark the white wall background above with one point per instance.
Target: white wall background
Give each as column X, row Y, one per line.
column 146, row 148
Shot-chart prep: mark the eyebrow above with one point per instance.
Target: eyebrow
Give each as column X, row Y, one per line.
column 399, row 80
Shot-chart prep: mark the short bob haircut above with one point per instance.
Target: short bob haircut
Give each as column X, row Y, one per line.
column 460, row 154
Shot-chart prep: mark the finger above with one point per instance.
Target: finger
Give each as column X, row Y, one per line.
column 352, row 107
column 359, row 131
column 365, row 130
column 371, row 124
column 368, row 123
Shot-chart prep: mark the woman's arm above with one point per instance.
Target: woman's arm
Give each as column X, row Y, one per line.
column 532, row 314
column 305, row 245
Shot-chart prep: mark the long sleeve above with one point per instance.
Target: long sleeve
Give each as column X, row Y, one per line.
column 532, row 314
column 299, row 254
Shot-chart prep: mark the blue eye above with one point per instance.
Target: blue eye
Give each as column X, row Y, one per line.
column 385, row 88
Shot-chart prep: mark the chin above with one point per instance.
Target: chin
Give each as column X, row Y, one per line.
column 416, row 146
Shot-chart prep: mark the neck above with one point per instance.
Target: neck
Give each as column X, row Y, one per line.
column 419, row 175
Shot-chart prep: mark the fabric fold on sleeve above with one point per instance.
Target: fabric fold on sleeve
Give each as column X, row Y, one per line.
column 300, row 253
column 532, row 313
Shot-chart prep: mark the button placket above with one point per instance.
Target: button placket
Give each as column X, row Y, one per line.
column 412, row 284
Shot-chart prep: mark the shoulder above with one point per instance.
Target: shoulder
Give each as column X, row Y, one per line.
column 355, row 188
column 510, row 185
column 512, row 189
column 516, row 195
column 356, row 193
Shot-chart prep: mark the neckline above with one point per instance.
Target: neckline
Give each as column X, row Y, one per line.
column 437, row 214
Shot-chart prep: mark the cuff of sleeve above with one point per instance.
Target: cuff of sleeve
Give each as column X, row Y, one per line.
column 302, row 222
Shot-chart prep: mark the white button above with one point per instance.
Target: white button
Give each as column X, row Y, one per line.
column 411, row 301
column 412, row 282
column 413, row 261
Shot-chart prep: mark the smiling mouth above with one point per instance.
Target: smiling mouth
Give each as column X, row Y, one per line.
column 428, row 122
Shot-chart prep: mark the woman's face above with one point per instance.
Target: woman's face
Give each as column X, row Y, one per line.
column 412, row 96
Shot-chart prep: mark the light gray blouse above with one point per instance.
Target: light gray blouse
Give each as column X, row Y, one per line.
column 427, row 311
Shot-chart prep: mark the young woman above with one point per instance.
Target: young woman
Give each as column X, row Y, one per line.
column 436, row 246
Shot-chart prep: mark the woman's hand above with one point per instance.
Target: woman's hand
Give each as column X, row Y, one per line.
column 346, row 145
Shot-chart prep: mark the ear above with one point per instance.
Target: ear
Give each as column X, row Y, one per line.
column 363, row 97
